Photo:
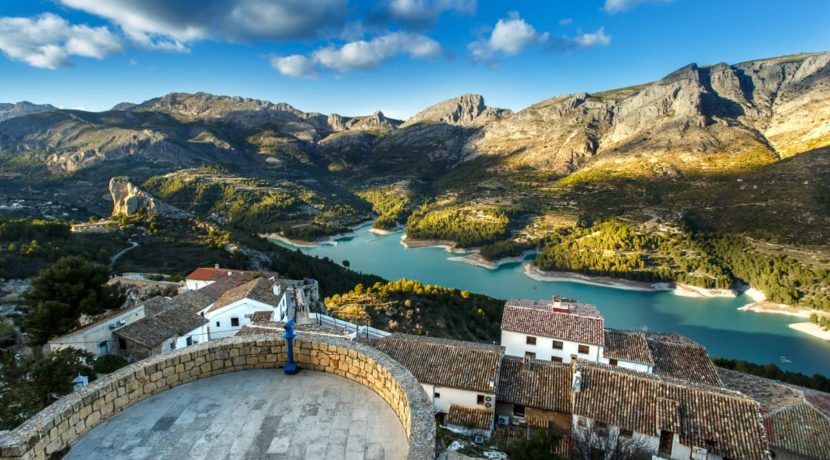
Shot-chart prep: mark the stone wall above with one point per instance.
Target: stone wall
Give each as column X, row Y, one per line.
column 54, row 428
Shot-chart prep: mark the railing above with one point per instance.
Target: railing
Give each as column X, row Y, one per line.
column 356, row 329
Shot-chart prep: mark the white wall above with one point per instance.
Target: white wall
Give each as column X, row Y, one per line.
column 236, row 310
column 89, row 338
column 629, row 365
column 515, row 345
column 651, row 443
column 450, row 396
column 198, row 335
column 196, row 284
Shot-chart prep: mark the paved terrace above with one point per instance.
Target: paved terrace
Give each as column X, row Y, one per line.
column 257, row 414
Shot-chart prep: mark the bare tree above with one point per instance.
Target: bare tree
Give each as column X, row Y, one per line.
column 591, row 445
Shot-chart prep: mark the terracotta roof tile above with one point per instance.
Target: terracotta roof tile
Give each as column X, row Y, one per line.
column 726, row 422
column 259, row 289
column 449, row 363
column 628, row 346
column 532, row 383
column 802, row 429
column 473, row 418
column 682, row 358
column 582, row 323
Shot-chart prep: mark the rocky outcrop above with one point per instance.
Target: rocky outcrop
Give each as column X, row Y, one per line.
column 464, row 110
column 22, row 108
column 128, row 199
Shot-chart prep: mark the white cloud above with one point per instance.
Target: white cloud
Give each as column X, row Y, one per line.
column 616, row 6
column 296, row 65
column 598, row 38
column 47, row 41
column 358, row 55
column 566, row 21
column 171, row 24
column 420, row 13
column 510, row 36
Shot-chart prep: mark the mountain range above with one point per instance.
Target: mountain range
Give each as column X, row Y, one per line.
column 699, row 133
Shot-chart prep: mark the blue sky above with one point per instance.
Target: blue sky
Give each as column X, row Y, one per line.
column 398, row 56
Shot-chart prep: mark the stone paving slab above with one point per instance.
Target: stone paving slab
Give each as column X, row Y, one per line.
column 258, row 414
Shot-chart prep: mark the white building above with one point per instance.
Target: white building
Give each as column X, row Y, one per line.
column 459, row 377
column 205, row 276
column 552, row 330
column 96, row 338
column 236, row 307
column 168, row 327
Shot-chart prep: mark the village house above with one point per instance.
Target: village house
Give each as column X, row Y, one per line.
column 627, row 349
column 236, row 307
column 205, row 276
column 170, row 327
column 552, row 330
column 459, row 377
column 534, row 394
column 665, row 417
column 96, row 338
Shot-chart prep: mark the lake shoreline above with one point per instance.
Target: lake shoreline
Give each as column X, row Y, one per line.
column 448, row 246
column 332, row 240
column 479, row 261
column 678, row 289
column 812, row 329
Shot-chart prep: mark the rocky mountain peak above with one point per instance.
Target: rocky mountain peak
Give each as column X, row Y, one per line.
column 22, row 108
column 464, row 110
column 129, row 199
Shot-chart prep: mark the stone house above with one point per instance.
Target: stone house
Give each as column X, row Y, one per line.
column 535, row 394
column 166, row 330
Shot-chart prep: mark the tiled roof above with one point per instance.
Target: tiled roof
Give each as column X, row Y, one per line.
column 726, row 422
column 449, row 363
column 532, row 383
column 153, row 330
column 259, row 289
column 193, row 301
column 792, row 421
column 214, row 274
column 469, row 417
column 229, row 281
column 681, row 358
column 262, row 316
column 156, row 305
column 583, row 323
column 147, row 331
column 771, row 395
column 628, row 346
column 800, row 428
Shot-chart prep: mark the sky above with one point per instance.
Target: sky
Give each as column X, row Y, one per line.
column 399, row 56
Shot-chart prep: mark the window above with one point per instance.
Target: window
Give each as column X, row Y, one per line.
column 666, row 439
column 518, row 410
column 234, row 322
column 601, row 429
column 203, row 314
column 581, row 422
column 584, row 349
column 173, row 345
column 189, row 340
column 530, row 355
column 626, row 433
column 217, row 324
column 612, row 362
column 437, row 395
column 557, row 345
column 122, row 344
column 556, row 359
column 480, row 400
column 530, row 340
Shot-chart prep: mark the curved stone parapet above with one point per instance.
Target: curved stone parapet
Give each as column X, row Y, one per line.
column 56, row 427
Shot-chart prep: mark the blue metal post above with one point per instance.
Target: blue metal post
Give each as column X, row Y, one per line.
column 290, row 367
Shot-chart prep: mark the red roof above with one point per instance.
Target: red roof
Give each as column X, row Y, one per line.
column 574, row 322
column 213, row 274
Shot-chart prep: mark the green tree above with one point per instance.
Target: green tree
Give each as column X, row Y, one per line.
column 62, row 292
column 107, row 364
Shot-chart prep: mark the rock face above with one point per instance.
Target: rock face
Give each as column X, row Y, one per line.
column 465, row 110
column 22, row 108
column 128, row 199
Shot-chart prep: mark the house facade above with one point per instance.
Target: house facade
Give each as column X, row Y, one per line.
column 236, row 307
column 97, row 338
column 552, row 330
column 459, row 377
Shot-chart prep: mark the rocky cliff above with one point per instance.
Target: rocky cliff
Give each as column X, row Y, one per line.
column 22, row 108
column 128, row 199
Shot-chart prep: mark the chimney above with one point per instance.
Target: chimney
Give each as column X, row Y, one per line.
column 576, row 384
column 558, row 306
column 276, row 289
column 216, row 266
